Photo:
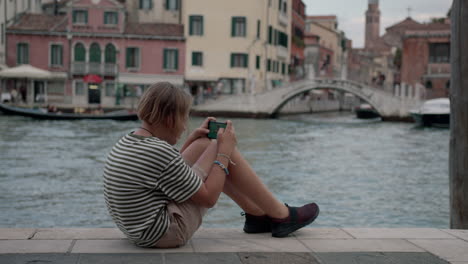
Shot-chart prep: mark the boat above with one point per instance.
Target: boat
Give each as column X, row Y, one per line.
column 41, row 113
column 435, row 112
column 366, row 111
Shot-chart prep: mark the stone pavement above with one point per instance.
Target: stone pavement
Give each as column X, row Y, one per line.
column 310, row 245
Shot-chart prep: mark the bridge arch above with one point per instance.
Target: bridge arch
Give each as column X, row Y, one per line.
column 340, row 85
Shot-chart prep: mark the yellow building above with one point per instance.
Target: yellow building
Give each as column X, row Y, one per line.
column 235, row 47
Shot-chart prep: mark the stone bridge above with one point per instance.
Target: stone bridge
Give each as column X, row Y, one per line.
column 269, row 103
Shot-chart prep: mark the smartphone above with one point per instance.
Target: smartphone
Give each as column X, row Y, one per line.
column 214, row 126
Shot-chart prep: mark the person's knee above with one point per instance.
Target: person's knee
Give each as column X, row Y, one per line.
column 202, row 142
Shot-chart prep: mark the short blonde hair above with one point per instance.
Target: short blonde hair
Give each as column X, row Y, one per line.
column 165, row 104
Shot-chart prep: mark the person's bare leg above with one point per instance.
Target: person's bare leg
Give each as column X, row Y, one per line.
column 241, row 200
column 245, row 181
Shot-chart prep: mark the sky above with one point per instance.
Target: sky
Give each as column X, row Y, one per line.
column 351, row 16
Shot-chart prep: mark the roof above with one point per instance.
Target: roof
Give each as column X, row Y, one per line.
column 40, row 22
column 155, row 29
column 408, row 23
column 329, row 17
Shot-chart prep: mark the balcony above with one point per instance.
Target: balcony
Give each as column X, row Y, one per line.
column 282, row 52
column 83, row 68
column 283, row 19
column 438, row 70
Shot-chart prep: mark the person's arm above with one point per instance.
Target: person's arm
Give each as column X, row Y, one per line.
column 209, row 192
column 202, row 131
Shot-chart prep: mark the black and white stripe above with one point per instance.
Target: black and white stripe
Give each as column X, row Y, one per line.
column 141, row 176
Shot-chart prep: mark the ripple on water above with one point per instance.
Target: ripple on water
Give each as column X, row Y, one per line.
column 361, row 173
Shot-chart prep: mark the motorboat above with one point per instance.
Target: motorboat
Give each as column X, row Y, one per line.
column 435, row 112
column 39, row 113
column 366, row 111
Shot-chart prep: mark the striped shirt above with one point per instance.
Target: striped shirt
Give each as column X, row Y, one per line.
column 141, row 176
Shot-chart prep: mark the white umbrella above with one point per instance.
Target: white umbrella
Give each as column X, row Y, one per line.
column 25, row 71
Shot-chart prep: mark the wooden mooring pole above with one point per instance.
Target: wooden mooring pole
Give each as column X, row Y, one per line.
column 458, row 157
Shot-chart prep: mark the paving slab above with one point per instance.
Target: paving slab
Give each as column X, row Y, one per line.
column 202, row 258
column 381, row 233
column 79, row 233
column 462, row 234
column 119, row 246
column 39, row 259
column 121, row 259
column 277, row 258
column 360, row 245
column 379, row 258
column 448, row 249
column 248, row 245
column 225, row 233
column 321, row 233
column 34, row 246
column 16, row 233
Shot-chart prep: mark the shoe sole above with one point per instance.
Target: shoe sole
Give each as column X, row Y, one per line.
column 291, row 229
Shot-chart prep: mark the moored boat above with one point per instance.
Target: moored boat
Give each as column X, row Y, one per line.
column 435, row 112
column 122, row 115
column 366, row 111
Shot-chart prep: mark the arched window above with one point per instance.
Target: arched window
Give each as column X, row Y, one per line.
column 109, row 54
column 95, row 53
column 428, row 85
column 80, row 52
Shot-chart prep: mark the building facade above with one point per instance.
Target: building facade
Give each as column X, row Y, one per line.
column 10, row 11
column 297, row 70
column 236, row 47
column 426, row 59
column 96, row 57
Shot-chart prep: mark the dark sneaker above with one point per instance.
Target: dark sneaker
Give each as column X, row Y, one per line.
column 298, row 218
column 256, row 224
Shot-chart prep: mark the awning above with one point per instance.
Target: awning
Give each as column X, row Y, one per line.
column 92, row 78
column 25, row 71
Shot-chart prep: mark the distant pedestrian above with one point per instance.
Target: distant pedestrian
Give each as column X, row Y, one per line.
column 157, row 196
column 14, row 95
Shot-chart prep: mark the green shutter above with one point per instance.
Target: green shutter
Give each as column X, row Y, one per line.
column 165, row 59
column 176, row 59
column 167, row 4
column 258, row 29
column 232, row 60
column 151, row 4
column 279, row 4
column 233, row 27
column 283, row 68
column 74, row 16
column 86, row 17
column 128, row 58
column 202, row 26
column 190, row 25
column 257, row 62
column 246, row 60
column 18, row 59
column 270, row 34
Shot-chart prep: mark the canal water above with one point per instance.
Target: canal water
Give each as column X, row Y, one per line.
column 361, row 173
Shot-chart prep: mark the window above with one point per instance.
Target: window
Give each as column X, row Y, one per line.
column 197, row 58
column 80, row 53
column 196, row 25
column 109, row 89
column 258, row 29
column 447, row 85
column 439, row 52
column 55, row 87
column 283, row 68
column 171, row 59
column 239, row 25
column 80, row 17
column 95, row 53
column 239, row 60
column 172, row 4
column 22, row 53
column 56, row 55
column 268, row 65
column 146, row 4
column 257, row 62
column 428, row 85
column 109, row 54
column 111, row 18
column 133, row 57
column 282, row 39
column 79, row 88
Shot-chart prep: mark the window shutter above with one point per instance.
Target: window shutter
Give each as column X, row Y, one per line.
column 257, row 62
column 18, row 59
column 279, row 4
column 165, row 59
column 233, row 27
column 167, row 4
column 232, row 60
column 74, row 16
column 26, row 47
column 201, row 58
column 191, row 25
column 270, row 34
column 177, row 4
column 201, row 25
column 86, row 17
column 258, row 29
column 128, row 58
column 246, row 60
column 193, row 59
column 150, row 4
column 176, row 59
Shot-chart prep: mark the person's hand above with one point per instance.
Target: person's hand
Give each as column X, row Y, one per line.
column 203, row 130
column 227, row 140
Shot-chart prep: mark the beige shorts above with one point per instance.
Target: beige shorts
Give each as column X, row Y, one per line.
column 185, row 219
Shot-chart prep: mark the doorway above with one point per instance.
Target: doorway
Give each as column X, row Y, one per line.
column 94, row 93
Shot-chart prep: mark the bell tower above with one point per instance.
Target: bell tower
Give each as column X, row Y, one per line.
column 372, row 24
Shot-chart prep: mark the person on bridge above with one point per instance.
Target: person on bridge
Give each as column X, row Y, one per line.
column 158, row 195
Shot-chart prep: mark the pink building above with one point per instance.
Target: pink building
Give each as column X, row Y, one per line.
column 94, row 56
